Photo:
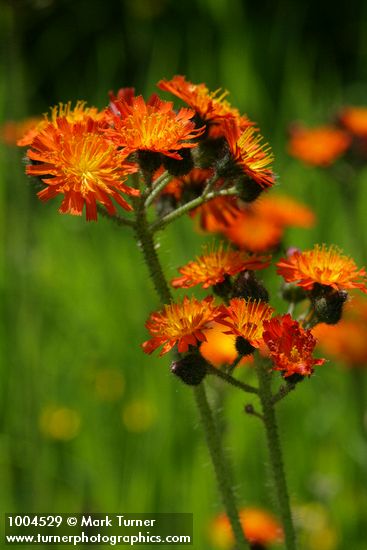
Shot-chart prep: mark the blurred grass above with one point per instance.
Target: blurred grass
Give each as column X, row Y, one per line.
column 76, row 295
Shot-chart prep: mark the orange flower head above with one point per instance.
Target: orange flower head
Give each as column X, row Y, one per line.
column 322, row 265
column 252, row 232
column 245, row 318
column 153, row 126
column 291, row 347
column 283, row 211
column 180, row 323
column 75, row 160
column 215, row 265
column 217, row 214
column 220, row 349
column 249, row 154
column 354, row 119
column 211, row 107
column 79, row 113
column 319, row 146
column 260, row 528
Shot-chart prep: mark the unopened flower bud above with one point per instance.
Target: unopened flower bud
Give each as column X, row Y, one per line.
column 243, row 346
column 191, row 369
column 208, row 151
column 223, row 289
column 328, row 303
column 248, row 190
column 181, row 167
column 246, row 286
column 148, row 161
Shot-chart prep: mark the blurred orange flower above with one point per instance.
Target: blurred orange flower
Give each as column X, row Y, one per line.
column 259, row 526
column 12, row 132
column 219, row 348
column 319, row 146
column 152, row 126
column 283, row 211
column 354, row 119
column 252, row 232
column 347, row 340
column 291, row 347
column 323, row 265
column 180, row 323
column 214, row 265
column 195, row 180
column 75, row 160
column 245, row 318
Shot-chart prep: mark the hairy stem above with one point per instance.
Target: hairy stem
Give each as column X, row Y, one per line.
column 275, row 453
column 230, row 380
column 168, row 218
column 219, row 464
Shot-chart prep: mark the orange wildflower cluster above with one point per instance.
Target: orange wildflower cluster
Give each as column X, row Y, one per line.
column 259, row 526
column 12, row 132
column 319, row 146
column 322, row 265
column 181, row 323
column 215, row 265
column 291, row 347
column 75, row 160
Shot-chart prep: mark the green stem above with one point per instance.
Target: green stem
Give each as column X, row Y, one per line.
column 219, row 464
column 233, row 381
column 159, row 184
column 146, row 243
column 275, row 453
column 168, row 218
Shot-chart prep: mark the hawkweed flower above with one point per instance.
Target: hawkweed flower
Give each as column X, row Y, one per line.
column 79, row 113
column 76, row 161
column 319, row 146
column 290, row 346
column 245, row 319
column 210, row 107
column 215, row 265
column 152, row 127
column 248, row 157
column 326, row 266
column 180, row 324
column 259, row 526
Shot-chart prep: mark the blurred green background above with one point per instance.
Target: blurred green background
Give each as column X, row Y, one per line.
column 88, row 422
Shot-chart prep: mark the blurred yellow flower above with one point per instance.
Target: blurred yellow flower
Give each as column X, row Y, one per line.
column 139, row 415
column 60, row 423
